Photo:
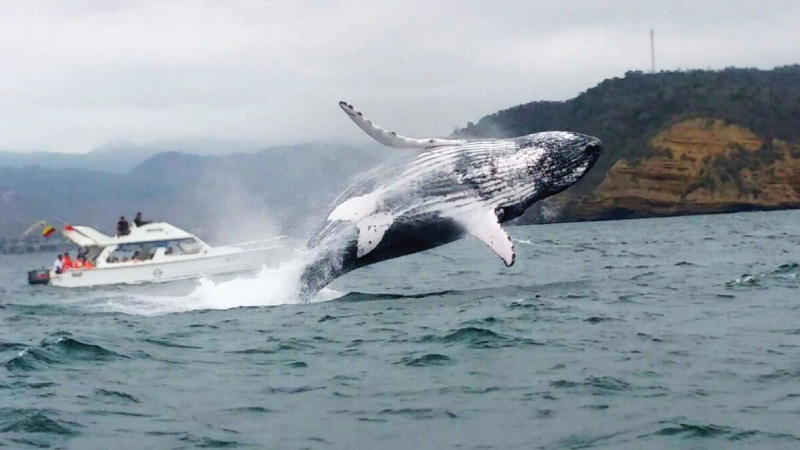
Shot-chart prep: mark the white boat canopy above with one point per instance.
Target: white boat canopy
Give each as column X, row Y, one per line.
column 84, row 236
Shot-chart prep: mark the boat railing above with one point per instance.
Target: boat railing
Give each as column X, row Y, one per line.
column 260, row 244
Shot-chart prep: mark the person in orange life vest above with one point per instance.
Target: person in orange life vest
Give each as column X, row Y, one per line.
column 67, row 264
column 78, row 264
column 83, row 263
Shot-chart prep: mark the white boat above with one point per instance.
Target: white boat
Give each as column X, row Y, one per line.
column 154, row 253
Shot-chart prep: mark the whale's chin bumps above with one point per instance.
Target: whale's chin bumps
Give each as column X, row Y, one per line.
column 450, row 189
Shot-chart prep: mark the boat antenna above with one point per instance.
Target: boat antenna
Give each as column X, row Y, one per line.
column 55, row 217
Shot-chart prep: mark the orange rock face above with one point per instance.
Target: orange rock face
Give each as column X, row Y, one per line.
column 697, row 166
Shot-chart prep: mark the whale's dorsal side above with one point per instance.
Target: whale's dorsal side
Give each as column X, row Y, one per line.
column 392, row 139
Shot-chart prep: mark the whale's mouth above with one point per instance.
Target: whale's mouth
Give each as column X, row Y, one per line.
column 593, row 150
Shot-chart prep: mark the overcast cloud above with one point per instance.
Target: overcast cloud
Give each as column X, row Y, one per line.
column 78, row 74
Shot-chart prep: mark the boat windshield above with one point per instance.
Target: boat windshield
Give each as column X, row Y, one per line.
column 144, row 251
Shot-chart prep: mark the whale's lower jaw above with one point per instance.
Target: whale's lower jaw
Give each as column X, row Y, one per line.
column 320, row 273
column 339, row 255
column 408, row 236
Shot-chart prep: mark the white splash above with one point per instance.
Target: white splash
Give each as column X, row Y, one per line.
column 270, row 287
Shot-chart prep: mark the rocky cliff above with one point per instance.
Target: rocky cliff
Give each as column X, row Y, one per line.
column 695, row 166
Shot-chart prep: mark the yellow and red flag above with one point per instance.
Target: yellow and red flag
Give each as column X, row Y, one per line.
column 48, row 231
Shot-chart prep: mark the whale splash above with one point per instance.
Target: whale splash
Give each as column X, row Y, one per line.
column 268, row 287
column 449, row 190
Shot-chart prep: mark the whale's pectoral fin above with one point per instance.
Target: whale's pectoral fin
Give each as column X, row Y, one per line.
column 390, row 138
column 485, row 227
column 371, row 230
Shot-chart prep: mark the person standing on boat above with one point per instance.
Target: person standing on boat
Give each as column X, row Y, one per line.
column 138, row 220
column 123, row 227
column 58, row 265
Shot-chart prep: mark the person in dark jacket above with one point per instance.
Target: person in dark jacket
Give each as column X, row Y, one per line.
column 123, row 227
column 138, row 220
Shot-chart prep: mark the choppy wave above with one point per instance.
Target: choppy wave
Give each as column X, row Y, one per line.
column 588, row 341
column 116, row 396
column 604, row 385
column 33, row 421
column 707, row 431
column 420, row 413
column 61, row 350
column 430, row 359
column 789, row 272
column 475, row 337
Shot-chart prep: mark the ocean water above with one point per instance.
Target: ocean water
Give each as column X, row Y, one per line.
column 663, row 333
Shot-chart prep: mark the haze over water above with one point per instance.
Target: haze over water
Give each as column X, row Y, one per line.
column 660, row 333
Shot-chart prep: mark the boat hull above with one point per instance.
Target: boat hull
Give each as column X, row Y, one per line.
column 163, row 271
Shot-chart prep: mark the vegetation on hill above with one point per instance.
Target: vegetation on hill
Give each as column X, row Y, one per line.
column 627, row 113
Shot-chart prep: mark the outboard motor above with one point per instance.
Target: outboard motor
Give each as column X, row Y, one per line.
column 41, row 276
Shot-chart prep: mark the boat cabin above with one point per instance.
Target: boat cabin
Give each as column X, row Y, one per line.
column 150, row 242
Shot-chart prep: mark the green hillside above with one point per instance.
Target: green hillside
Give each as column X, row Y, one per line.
column 627, row 113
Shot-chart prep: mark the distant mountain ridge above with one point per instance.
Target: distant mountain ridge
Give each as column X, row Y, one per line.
column 239, row 196
column 120, row 157
column 675, row 143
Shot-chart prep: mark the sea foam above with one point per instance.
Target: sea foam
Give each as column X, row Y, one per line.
column 269, row 287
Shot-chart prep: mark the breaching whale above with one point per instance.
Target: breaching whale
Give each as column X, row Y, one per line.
column 450, row 189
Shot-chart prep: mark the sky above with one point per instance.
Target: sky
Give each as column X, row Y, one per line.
column 78, row 74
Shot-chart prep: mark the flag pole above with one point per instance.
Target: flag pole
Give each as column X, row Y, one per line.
column 58, row 219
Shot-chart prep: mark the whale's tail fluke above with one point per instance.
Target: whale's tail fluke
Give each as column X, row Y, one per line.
column 390, row 138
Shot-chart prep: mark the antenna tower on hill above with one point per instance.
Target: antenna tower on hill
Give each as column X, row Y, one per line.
column 652, row 52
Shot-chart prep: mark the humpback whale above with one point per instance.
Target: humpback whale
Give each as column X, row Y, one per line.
column 451, row 188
